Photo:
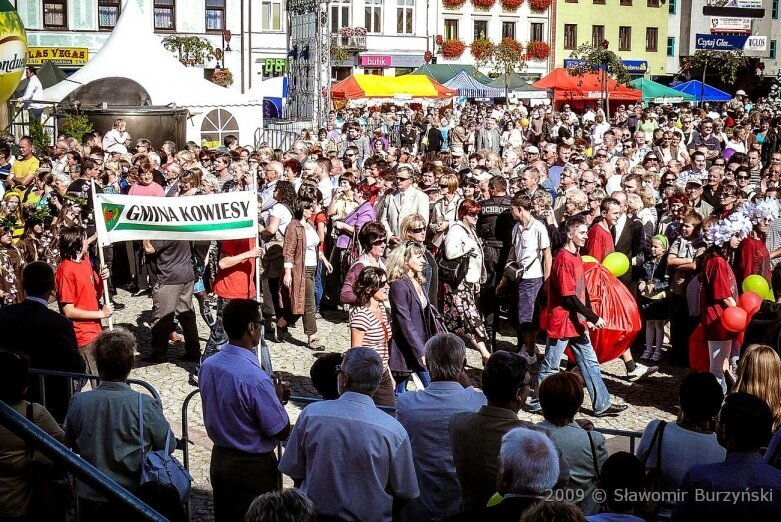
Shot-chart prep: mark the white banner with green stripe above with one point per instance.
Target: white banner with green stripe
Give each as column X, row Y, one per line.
column 232, row 215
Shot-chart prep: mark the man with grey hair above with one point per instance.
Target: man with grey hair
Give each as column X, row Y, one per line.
column 301, row 150
column 425, row 414
column 528, row 470
column 351, row 459
column 273, row 172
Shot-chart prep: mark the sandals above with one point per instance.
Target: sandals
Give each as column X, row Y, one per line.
column 315, row 346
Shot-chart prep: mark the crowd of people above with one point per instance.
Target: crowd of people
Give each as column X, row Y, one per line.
column 434, row 230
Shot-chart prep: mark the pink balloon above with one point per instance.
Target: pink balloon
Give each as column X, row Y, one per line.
column 734, row 319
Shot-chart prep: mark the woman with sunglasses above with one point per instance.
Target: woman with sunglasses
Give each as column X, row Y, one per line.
column 462, row 317
column 370, row 325
column 413, row 228
column 444, row 211
column 373, row 239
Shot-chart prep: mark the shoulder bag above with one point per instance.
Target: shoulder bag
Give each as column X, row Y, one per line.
column 160, row 467
column 452, row 271
column 593, row 454
column 653, row 476
column 514, row 270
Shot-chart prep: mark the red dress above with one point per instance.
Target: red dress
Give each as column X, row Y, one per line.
column 567, row 279
column 753, row 258
column 718, row 284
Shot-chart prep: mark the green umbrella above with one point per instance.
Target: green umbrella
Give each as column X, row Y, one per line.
column 657, row 93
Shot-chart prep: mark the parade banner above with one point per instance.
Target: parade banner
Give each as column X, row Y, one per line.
column 233, row 215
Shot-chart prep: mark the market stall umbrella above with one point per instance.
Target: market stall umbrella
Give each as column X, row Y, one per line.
column 359, row 86
column 467, row 86
column 518, row 85
column 702, row 91
column 443, row 72
column 657, row 93
column 567, row 87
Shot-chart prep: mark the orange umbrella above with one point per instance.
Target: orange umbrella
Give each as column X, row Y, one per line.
column 590, row 86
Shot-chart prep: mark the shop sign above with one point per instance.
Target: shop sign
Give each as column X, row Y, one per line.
column 375, row 61
column 725, row 24
column 37, row 56
column 730, row 42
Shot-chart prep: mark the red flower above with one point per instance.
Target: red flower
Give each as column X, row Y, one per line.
column 536, row 50
column 482, row 49
column 539, row 5
column 453, row 48
column 453, row 4
column 439, row 39
column 512, row 5
column 510, row 44
column 486, row 4
column 427, row 56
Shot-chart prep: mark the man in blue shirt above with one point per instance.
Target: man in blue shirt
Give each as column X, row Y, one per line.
column 243, row 414
column 743, row 487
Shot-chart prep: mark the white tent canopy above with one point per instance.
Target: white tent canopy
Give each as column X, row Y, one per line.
column 134, row 52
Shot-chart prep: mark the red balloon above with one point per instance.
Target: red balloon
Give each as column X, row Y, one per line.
column 734, row 319
column 750, row 302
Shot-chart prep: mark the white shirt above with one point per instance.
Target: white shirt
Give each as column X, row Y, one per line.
column 285, row 217
column 620, row 224
column 114, row 141
column 33, row 91
column 528, row 245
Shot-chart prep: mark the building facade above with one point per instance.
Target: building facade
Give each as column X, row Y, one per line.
column 636, row 31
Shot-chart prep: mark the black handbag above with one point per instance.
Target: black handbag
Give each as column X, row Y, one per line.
column 452, row 271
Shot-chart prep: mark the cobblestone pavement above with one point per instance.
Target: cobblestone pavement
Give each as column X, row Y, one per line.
column 654, row 397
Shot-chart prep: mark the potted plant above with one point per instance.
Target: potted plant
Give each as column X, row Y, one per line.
column 511, row 5
column 359, row 31
column 537, row 50
column 482, row 49
column 539, row 6
column 483, row 5
column 346, row 33
column 453, row 48
column 453, row 4
column 222, row 77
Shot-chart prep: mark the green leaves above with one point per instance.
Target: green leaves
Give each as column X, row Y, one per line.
column 727, row 63
column 589, row 58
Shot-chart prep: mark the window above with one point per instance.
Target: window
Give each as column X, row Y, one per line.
column 772, row 55
column 165, row 17
column 599, row 2
column 774, row 10
column 451, row 30
column 537, row 32
column 373, row 18
column 672, row 6
column 508, row 30
column 651, row 37
column 271, row 16
column 404, row 11
column 625, row 2
column 571, row 1
column 215, row 16
column 55, row 14
column 671, row 46
column 597, row 35
column 570, row 36
column 624, row 38
column 216, row 125
column 653, row 3
column 108, row 14
column 481, row 29
column 340, row 16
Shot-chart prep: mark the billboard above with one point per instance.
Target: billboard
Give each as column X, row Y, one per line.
column 734, row 8
column 730, row 42
column 728, row 24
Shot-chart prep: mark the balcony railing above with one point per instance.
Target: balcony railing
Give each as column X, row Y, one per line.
column 354, row 43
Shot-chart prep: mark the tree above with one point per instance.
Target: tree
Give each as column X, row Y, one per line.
column 588, row 58
column 726, row 63
column 507, row 58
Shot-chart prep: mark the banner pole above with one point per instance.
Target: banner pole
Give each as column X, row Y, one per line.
column 264, row 355
column 106, row 295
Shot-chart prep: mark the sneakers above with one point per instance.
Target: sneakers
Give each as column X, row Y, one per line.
column 612, row 410
column 641, row 371
column 657, row 356
column 647, row 354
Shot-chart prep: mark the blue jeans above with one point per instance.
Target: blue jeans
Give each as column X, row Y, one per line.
column 587, row 363
column 401, row 383
column 318, row 285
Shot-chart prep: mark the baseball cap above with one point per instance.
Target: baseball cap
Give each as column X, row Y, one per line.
column 694, row 181
column 532, row 150
column 740, row 92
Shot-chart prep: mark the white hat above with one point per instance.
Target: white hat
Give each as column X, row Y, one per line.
column 740, row 92
column 532, row 150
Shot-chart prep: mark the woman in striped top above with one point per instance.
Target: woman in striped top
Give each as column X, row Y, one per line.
column 369, row 325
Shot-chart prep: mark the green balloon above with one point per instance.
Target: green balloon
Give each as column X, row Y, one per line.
column 769, row 296
column 616, row 263
column 495, row 499
column 757, row 284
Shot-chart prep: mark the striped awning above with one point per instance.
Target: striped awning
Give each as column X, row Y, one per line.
column 467, row 86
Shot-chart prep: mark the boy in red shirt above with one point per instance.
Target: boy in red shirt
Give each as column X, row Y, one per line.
column 600, row 240
column 569, row 318
column 78, row 288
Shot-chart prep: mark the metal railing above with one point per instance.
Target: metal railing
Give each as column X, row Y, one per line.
column 20, row 119
column 354, row 42
column 75, row 465
column 72, row 378
column 275, row 138
column 633, row 436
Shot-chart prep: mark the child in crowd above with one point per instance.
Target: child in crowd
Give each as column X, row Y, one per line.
column 654, row 305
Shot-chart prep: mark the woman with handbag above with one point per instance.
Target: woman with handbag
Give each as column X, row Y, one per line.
column 561, row 396
column 461, row 315
column 370, row 326
column 444, row 212
column 301, row 254
column 22, row 471
column 346, row 229
column 669, row 450
column 372, row 238
column 410, row 313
